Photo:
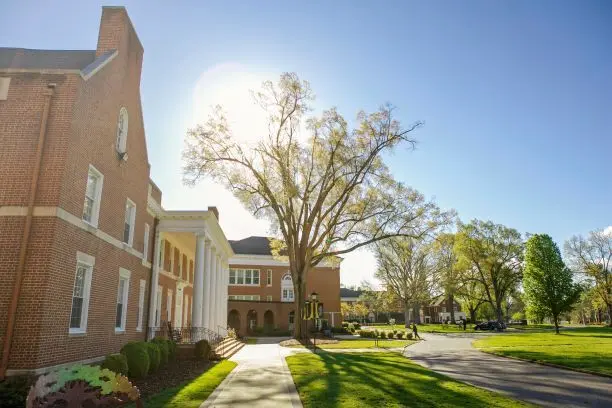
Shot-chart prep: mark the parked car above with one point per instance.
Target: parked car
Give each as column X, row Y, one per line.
column 491, row 325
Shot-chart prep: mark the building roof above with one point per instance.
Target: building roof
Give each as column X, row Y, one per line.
column 253, row 245
column 45, row 59
column 349, row 293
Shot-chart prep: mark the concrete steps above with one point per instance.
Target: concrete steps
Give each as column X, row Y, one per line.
column 228, row 347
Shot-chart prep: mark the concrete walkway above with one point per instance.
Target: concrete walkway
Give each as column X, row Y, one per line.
column 261, row 379
column 547, row 386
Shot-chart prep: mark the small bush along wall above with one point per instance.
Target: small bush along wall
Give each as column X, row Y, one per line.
column 154, row 356
column 116, row 363
column 163, row 350
column 137, row 357
column 202, row 350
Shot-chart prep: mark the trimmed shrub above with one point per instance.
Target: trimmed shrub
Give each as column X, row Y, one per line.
column 376, row 332
column 137, row 356
column 394, row 331
column 400, row 335
column 351, row 327
column 171, row 350
column 356, row 325
column 202, row 350
column 14, row 391
column 154, row 356
column 345, row 324
column 409, row 335
column 163, row 350
column 116, row 363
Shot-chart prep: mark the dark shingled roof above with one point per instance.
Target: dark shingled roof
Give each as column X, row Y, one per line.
column 252, row 246
column 45, row 59
column 349, row 293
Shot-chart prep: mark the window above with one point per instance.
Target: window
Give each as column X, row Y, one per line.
column 93, row 195
column 243, row 297
column 244, row 277
column 291, row 317
column 169, row 306
column 122, row 299
column 158, row 303
column 269, row 298
column 122, row 131
column 141, row 297
column 130, row 219
column 145, row 245
column 287, row 294
column 80, row 293
column 269, row 277
column 162, row 246
column 4, row 87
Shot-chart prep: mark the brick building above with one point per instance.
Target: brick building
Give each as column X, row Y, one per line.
column 81, row 223
column 261, row 291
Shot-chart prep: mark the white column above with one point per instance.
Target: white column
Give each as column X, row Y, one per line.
column 224, row 284
column 198, row 281
column 154, row 278
column 214, row 292
column 210, row 250
column 220, row 297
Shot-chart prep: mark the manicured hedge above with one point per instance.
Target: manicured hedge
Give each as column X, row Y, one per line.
column 116, row 363
column 202, row 350
column 163, row 350
column 137, row 356
column 171, row 349
column 154, row 356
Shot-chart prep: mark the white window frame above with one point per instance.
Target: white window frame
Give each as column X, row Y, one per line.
column 169, row 305
column 287, row 291
column 122, row 132
column 95, row 211
column 132, row 220
column 269, row 277
column 124, row 274
column 241, row 274
column 141, row 298
column 244, row 297
column 88, row 262
column 158, row 304
column 269, row 298
column 145, row 245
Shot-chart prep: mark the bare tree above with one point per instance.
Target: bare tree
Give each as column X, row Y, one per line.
column 405, row 267
column 591, row 259
column 325, row 196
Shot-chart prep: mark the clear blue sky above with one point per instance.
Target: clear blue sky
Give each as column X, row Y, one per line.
column 516, row 95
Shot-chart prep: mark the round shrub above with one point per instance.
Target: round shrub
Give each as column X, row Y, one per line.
column 171, row 349
column 356, row 325
column 409, row 335
column 202, row 350
column 163, row 350
column 154, row 356
column 116, row 363
column 137, row 357
column 390, row 335
column 400, row 335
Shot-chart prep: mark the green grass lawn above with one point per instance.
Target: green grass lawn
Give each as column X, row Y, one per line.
column 193, row 393
column 382, row 380
column 587, row 349
column 251, row 340
column 363, row 344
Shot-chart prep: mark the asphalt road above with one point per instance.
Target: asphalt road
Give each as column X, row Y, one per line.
column 454, row 356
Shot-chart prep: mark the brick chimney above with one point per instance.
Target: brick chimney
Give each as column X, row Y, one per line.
column 214, row 211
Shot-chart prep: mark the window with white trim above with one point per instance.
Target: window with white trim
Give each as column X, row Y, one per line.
column 93, row 196
column 129, row 221
column 244, row 277
column 122, row 299
column 243, row 297
column 122, row 130
column 141, row 298
column 145, row 246
column 269, row 277
column 80, row 293
column 287, row 294
column 169, row 306
column 269, row 298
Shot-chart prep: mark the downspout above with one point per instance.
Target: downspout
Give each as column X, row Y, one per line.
column 12, row 313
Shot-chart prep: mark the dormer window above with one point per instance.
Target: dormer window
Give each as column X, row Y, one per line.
column 122, row 131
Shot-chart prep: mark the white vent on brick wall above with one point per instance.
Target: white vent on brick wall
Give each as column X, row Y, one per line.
column 122, row 131
column 4, row 87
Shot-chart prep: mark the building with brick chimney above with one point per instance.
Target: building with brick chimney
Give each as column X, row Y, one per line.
column 261, row 295
column 89, row 259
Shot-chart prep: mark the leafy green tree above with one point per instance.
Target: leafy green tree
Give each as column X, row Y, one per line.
column 591, row 259
column 494, row 253
column 549, row 288
column 448, row 273
column 471, row 293
column 404, row 266
column 323, row 185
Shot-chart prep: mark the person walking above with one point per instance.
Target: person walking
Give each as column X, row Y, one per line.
column 415, row 332
column 464, row 323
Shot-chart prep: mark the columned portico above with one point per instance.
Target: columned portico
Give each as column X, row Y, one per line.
column 198, row 247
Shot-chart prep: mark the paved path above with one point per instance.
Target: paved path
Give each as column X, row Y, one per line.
column 535, row 383
column 261, row 379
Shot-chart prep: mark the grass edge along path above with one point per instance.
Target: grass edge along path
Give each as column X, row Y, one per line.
column 385, row 379
column 192, row 393
column 587, row 350
column 360, row 343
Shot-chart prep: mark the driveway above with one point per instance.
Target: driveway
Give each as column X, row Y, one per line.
column 453, row 355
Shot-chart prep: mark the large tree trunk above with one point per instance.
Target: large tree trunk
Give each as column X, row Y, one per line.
column 500, row 312
column 416, row 311
column 472, row 311
column 556, row 321
column 300, row 330
column 406, row 315
column 451, row 307
column 610, row 314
